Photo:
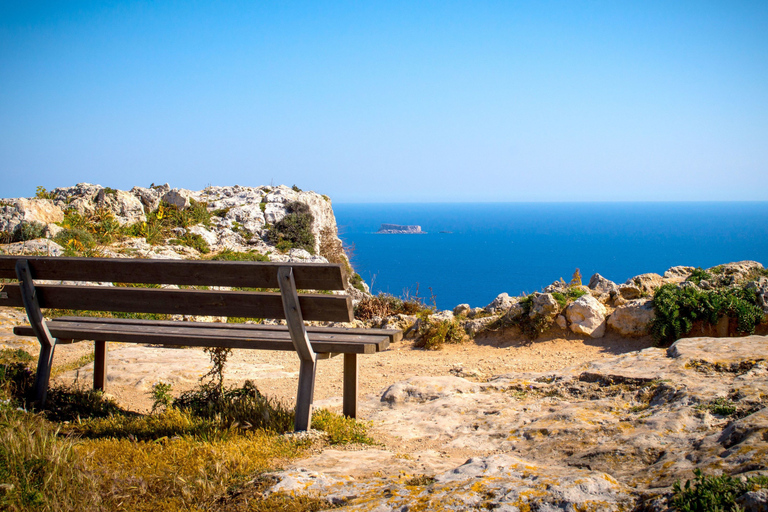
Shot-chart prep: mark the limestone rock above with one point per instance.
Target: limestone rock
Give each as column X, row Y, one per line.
column 647, row 283
column 474, row 312
column 587, row 316
column 558, row 286
column 601, row 284
column 632, row 319
column 210, row 238
column 629, row 292
column 424, row 389
column 461, row 309
column 754, row 501
column 678, row 274
column 442, row 316
column 126, row 207
column 545, row 306
column 150, row 197
column 734, row 273
column 34, row 247
column 514, row 312
column 15, row 212
column 476, row 325
column 501, row 303
column 179, row 197
column 561, row 322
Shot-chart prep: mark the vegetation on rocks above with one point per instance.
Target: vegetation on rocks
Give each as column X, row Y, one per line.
column 294, row 230
column 384, row 305
column 433, row 334
column 713, row 493
column 678, row 307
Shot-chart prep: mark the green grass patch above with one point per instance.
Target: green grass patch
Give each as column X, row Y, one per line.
column 230, row 255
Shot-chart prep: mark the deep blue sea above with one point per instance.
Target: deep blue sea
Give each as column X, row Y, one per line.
column 491, row 248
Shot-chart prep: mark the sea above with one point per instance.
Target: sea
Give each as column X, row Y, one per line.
column 472, row 252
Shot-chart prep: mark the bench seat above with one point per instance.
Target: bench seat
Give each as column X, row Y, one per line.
column 324, row 340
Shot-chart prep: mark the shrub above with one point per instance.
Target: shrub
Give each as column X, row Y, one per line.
column 698, row 275
column 383, row 305
column 194, row 241
column 357, row 282
column 677, row 308
column 75, row 241
column 28, row 231
column 42, row 193
column 294, row 230
column 713, row 493
column 230, row 255
column 432, row 335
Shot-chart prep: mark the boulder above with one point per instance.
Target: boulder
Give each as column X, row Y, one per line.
column 501, row 303
column 474, row 326
column 558, row 286
column 629, row 292
column 647, row 283
column 734, row 273
column 442, row 316
column 514, row 312
column 126, row 207
column 601, row 284
column 15, row 212
column 461, row 309
column 150, row 197
column 424, row 389
column 678, row 274
column 179, row 197
column 545, row 306
column 561, row 322
column 632, row 319
column 587, row 316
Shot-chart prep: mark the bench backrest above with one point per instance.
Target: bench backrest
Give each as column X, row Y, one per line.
column 133, row 299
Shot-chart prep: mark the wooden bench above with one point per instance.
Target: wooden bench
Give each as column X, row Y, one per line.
column 77, row 289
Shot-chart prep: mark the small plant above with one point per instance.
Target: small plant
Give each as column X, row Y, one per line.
column 720, row 406
column 432, row 335
column 161, row 396
column 698, row 275
column 221, row 212
column 712, row 493
column 42, row 193
column 295, row 188
column 357, row 282
column 75, row 242
column 575, row 279
column 28, row 231
column 110, row 191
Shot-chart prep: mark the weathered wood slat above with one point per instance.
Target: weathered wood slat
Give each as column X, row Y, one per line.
column 330, row 308
column 191, row 336
column 200, row 329
column 393, row 335
column 308, row 276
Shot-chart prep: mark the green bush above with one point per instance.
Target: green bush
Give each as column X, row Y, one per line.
column 294, row 230
column 713, row 493
column 28, row 231
column 75, row 241
column 340, row 429
column 698, row 275
column 230, row 255
column 432, row 335
column 677, row 308
column 42, row 193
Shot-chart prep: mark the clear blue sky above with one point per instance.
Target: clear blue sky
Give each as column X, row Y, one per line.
column 390, row 101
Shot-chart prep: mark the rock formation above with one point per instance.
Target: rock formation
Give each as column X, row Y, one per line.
column 604, row 436
column 397, row 229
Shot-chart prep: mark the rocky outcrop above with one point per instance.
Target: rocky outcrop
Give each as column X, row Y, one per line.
column 240, row 220
column 395, row 229
column 614, row 434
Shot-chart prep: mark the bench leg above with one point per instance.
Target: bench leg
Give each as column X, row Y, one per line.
column 305, row 396
column 100, row 365
column 43, row 375
column 350, row 385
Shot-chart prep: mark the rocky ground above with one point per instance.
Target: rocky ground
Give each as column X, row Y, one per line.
column 566, row 423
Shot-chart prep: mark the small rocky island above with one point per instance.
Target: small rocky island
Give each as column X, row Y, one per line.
column 397, row 229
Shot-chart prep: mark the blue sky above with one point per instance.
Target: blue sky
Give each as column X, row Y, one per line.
column 390, row 101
